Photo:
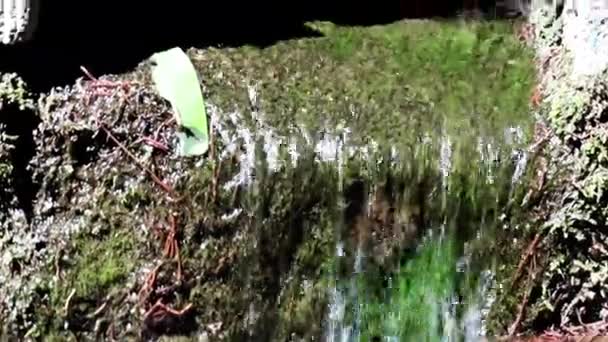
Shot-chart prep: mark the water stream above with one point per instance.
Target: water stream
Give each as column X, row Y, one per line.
column 463, row 183
column 443, row 323
column 422, row 186
column 454, row 307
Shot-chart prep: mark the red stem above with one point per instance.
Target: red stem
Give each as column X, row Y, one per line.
column 154, row 177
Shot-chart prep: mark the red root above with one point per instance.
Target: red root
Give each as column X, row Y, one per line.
column 161, row 315
column 524, row 260
column 154, row 177
column 160, row 309
column 536, row 98
column 171, row 247
column 155, row 144
column 148, row 286
column 520, row 316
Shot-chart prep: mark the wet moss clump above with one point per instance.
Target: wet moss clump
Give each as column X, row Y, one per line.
column 240, row 243
column 416, row 75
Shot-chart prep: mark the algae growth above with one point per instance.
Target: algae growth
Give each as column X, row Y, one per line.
column 241, row 244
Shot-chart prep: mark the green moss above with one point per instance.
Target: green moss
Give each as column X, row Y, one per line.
column 385, row 82
column 102, row 264
column 99, row 266
column 415, row 297
column 394, row 84
column 98, row 269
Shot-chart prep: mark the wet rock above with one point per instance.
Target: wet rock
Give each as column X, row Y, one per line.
column 566, row 290
column 245, row 235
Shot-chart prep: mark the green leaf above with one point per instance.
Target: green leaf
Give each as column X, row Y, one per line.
column 177, row 81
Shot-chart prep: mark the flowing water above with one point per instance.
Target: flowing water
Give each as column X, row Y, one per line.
column 464, row 183
column 498, row 171
column 414, row 272
column 426, row 152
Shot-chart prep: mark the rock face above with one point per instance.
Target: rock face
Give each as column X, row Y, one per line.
column 105, row 242
column 566, row 288
column 575, row 85
column 127, row 240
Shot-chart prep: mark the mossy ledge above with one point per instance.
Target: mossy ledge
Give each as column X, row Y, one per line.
column 257, row 219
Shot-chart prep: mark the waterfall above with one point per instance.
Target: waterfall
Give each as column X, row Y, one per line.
column 344, row 326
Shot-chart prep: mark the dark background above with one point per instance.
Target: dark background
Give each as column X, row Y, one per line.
column 113, row 36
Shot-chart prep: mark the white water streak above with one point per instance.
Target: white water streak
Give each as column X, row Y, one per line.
column 334, row 147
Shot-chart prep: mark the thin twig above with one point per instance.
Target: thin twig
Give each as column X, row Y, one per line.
column 179, row 312
column 524, row 303
column 520, row 315
column 169, row 247
column 529, row 252
column 148, row 286
column 155, row 143
column 172, row 247
column 111, row 331
column 98, row 83
column 66, row 307
column 154, row 177
column 31, row 331
column 164, row 309
column 99, row 310
column 538, row 143
column 179, row 263
column 89, row 75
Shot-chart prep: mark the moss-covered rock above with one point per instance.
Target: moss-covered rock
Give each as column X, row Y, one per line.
column 303, row 133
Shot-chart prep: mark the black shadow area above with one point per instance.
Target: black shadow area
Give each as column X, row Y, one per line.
column 112, row 36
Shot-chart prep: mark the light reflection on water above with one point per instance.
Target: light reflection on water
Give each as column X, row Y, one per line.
column 469, row 325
